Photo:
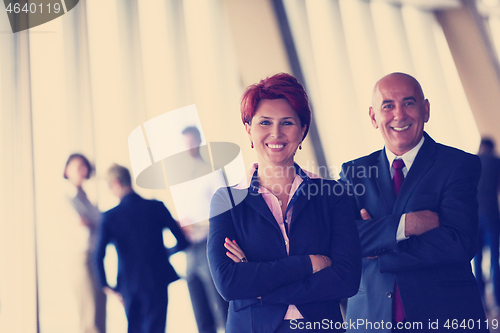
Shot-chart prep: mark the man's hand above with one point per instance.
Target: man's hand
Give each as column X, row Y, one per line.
column 319, row 262
column 109, row 292
column 419, row 222
column 84, row 222
column 366, row 216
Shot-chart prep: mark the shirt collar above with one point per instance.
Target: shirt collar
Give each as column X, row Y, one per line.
column 129, row 196
column 407, row 157
column 251, row 180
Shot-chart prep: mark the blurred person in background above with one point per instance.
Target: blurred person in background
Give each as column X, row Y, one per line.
column 209, row 307
column 135, row 227
column 82, row 235
column 489, row 219
column 289, row 251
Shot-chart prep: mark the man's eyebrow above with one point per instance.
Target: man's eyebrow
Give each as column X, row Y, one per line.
column 411, row 98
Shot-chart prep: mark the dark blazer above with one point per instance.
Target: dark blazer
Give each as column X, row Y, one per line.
column 487, row 194
column 135, row 227
column 432, row 270
column 322, row 223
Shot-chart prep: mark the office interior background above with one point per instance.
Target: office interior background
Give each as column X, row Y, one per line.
column 84, row 81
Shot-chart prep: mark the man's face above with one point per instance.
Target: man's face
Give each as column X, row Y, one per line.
column 192, row 144
column 400, row 111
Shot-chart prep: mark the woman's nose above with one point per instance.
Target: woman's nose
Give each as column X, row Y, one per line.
column 276, row 131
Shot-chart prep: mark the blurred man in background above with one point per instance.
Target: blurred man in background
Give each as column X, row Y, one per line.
column 489, row 219
column 209, row 307
column 136, row 227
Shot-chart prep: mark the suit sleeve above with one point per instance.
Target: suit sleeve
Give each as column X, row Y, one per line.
column 454, row 241
column 103, row 241
column 171, row 224
column 247, row 280
column 341, row 279
column 377, row 235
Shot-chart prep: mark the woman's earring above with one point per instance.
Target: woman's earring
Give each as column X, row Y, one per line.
column 251, row 144
column 300, row 146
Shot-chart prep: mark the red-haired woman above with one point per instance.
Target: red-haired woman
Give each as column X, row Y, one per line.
column 289, row 250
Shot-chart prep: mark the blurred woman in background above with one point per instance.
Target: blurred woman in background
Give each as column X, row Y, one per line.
column 91, row 301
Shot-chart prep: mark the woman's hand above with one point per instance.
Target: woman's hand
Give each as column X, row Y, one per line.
column 319, row 262
column 234, row 251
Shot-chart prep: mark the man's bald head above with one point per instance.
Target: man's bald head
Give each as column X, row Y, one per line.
column 398, row 76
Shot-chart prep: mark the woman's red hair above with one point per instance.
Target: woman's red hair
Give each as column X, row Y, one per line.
column 279, row 86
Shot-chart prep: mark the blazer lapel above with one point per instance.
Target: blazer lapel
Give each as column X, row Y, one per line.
column 301, row 201
column 423, row 162
column 384, row 181
column 257, row 203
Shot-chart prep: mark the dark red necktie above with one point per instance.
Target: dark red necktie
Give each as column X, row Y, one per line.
column 398, row 312
column 399, row 176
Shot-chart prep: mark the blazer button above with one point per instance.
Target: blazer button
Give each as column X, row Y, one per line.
column 388, row 294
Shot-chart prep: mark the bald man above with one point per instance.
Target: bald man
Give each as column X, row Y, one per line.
column 417, row 216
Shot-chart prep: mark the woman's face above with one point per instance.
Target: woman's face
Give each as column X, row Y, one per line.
column 276, row 132
column 76, row 171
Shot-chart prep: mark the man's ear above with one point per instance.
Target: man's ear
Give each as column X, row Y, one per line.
column 112, row 183
column 371, row 112
column 427, row 108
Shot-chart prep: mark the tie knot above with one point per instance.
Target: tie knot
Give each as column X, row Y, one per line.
column 398, row 164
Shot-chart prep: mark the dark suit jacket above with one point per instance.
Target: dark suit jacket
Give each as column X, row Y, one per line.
column 487, row 194
column 135, row 227
column 432, row 270
column 322, row 223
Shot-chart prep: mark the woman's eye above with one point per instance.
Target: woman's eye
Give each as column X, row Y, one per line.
column 287, row 123
column 265, row 122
